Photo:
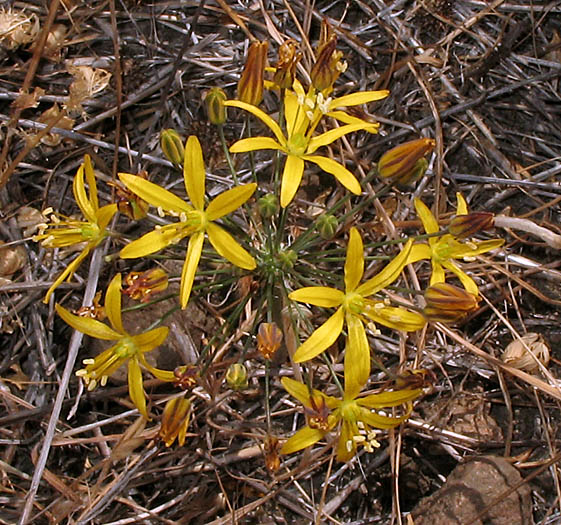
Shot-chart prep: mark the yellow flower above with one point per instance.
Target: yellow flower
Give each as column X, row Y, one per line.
column 356, row 417
column 354, row 307
column 65, row 231
column 299, row 145
column 128, row 347
column 194, row 221
column 443, row 251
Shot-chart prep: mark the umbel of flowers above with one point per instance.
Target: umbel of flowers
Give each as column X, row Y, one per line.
column 310, row 118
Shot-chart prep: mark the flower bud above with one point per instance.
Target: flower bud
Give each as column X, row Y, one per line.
column 287, row 258
column 141, row 286
column 172, row 146
column 268, row 205
column 327, row 226
column 465, row 226
column 447, row 303
column 269, row 339
column 236, row 376
column 405, row 163
column 215, row 108
column 286, row 66
column 250, row 86
column 175, row 421
column 517, row 353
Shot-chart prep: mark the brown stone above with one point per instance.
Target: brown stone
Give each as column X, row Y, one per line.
column 475, row 493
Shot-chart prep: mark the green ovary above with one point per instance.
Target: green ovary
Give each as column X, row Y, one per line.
column 298, row 144
column 354, row 303
column 126, row 348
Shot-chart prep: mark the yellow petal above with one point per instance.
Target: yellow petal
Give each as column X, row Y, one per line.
column 305, row 437
column 154, row 194
column 467, row 282
column 377, row 421
column 261, row 115
column 419, row 252
column 104, row 215
column 255, row 144
column 462, row 207
column 357, row 357
column 291, row 178
column 190, row 266
column 321, row 339
column 389, row 399
column 476, row 248
column 341, row 116
column 163, row 375
column 149, row 340
column 333, row 134
column 342, row 174
column 396, row 318
column 427, row 218
column 299, row 390
column 194, row 172
column 388, row 275
column 318, row 296
column 88, row 326
column 136, row 390
column 229, row 201
column 113, row 304
column 295, row 115
column 438, row 275
column 360, row 97
column 346, row 446
column 79, row 190
column 153, row 242
column 229, row 248
column 67, row 273
column 90, row 179
column 354, row 262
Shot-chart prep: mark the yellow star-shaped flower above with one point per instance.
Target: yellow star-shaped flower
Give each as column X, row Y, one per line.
column 443, row 251
column 194, row 221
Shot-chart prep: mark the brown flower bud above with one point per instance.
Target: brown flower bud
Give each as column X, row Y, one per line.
column 286, row 66
column 250, row 86
column 269, row 339
column 328, row 66
column 405, row 162
column 465, row 226
column 175, row 420
column 447, row 303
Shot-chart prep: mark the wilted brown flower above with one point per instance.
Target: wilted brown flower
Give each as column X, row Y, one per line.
column 286, row 65
column 447, row 303
column 269, row 339
column 250, row 86
column 143, row 285
column 405, row 163
column 175, row 421
column 465, row 226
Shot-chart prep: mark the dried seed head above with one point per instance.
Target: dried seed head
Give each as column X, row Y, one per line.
column 465, row 226
column 524, row 353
